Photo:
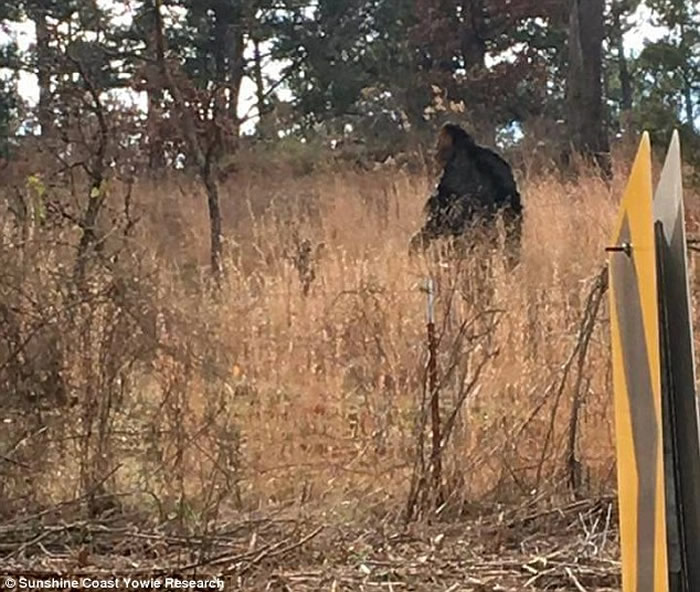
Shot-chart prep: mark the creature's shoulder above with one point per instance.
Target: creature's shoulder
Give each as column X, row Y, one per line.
column 495, row 166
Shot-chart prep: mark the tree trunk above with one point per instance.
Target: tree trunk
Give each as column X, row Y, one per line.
column 206, row 160
column 222, row 23
column 154, row 93
column 89, row 241
column 156, row 150
column 264, row 123
column 229, row 64
column 473, row 51
column 209, row 179
column 43, row 73
column 688, row 92
column 586, row 121
column 625, row 78
column 237, row 65
column 687, row 84
column 472, row 46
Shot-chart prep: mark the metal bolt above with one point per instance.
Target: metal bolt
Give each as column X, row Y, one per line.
column 625, row 248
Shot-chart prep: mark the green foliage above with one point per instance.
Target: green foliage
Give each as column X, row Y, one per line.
column 10, row 56
column 666, row 76
column 338, row 50
column 670, row 68
column 204, row 36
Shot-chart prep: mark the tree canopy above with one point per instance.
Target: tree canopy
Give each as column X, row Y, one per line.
column 376, row 69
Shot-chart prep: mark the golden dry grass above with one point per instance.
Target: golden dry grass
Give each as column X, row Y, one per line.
column 325, row 387
column 266, row 395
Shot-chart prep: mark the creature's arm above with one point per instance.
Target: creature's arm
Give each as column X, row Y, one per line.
column 433, row 211
column 500, row 172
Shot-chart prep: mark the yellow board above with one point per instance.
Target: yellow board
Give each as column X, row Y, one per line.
column 634, row 319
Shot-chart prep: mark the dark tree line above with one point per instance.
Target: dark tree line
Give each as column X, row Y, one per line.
column 374, row 64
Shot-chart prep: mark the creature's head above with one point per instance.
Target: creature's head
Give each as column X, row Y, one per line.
column 451, row 138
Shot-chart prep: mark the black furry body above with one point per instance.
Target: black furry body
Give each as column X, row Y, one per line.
column 476, row 185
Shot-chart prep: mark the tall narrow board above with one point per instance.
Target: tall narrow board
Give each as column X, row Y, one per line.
column 634, row 316
column 682, row 462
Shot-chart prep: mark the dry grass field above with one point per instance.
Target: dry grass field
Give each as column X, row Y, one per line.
column 275, row 431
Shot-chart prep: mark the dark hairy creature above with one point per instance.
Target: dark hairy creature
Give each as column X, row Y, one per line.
column 476, row 186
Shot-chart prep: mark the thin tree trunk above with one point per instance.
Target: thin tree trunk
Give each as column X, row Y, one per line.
column 89, row 241
column 473, row 50
column 237, row 64
column 687, row 86
column 206, row 161
column 264, row 124
column 43, row 73
column 156, row 152
column 688, row 92
column 473, row 47
column 154, row 115
column 584, row 84
column 229, row 63
column 625, row 78
column 214, row 221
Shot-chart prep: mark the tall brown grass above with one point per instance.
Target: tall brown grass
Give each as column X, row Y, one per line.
column 161, row 397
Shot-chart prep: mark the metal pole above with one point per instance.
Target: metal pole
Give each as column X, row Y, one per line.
column 434, row 388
